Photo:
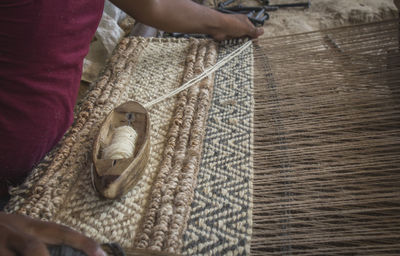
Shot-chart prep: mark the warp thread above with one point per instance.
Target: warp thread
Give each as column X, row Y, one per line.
column 122, row 143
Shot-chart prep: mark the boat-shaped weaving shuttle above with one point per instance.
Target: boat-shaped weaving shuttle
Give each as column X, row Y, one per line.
column 113, row 178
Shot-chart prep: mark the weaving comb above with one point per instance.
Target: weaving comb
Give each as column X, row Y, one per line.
column 114, row 178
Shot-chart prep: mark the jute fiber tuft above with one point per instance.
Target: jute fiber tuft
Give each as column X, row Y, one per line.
column 60, row 189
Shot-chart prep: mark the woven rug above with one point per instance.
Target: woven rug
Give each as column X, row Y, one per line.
column 154, row 214
column 221, row 220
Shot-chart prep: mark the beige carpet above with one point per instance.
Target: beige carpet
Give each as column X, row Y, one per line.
column 157, row 208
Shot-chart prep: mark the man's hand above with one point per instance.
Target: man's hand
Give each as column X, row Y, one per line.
column 238, row 25
column 186, row 16
column 21, row 235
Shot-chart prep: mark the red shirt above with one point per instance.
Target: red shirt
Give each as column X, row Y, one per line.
column 42, row 46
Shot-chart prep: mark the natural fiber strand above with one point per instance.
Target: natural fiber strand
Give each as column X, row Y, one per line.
column 327, row 143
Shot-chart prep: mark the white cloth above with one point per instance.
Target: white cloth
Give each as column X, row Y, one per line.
column 107, row 36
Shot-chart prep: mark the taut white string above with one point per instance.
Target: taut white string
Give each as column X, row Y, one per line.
column 198, row 78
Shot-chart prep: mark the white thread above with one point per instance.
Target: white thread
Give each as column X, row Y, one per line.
column 122, row 143
column 198, row 78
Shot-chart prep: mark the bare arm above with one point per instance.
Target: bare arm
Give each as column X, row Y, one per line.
column 186, row 16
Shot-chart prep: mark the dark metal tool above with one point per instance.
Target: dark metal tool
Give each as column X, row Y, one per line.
column 306, row 5
column 256, row 14
column 183, row 35
column 260, row 14
column 64, row 250
column 246, row 9
column 226, row 3
column 256, row 21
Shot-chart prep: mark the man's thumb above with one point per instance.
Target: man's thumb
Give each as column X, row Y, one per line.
column 257, row 32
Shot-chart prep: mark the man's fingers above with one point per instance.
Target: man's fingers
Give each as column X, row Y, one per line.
column 29, row 245
column 53, row 233
column 15, row 243
column 252, row 31
column 257, row 32
column 6, row 252
column 237, row 26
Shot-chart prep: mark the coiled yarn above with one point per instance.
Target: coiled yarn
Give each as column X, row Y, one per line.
column 122, row 143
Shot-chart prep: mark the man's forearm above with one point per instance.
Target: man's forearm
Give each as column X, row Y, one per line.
column 183, row 16
column 186, row 16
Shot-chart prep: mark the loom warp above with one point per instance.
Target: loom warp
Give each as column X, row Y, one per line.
column 327, row 143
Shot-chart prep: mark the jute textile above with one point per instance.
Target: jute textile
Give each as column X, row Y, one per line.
column 221, row 220
column 59, row 188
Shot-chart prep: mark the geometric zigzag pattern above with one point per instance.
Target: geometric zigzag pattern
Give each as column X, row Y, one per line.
column 221, row 216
